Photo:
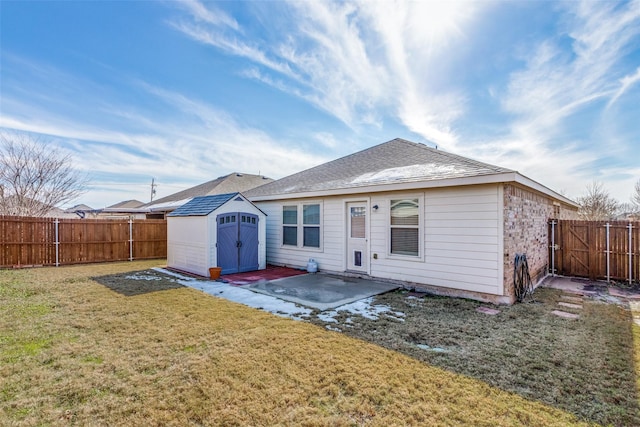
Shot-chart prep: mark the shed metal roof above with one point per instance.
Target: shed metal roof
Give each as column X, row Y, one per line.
column 203, row 206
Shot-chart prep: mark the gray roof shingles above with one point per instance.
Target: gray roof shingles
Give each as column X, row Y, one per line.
column 233, row 182
column 395, row 161
column 202, row 206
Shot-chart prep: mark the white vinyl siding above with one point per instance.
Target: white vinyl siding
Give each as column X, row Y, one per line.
column 460, row 238
column 192, row 240
column 328, row 256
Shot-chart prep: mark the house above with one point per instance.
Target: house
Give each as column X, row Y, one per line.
column 127, row 209
column 224, row 230
column 231, row 183
column 406, row 212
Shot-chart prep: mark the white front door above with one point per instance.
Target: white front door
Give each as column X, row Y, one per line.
column 357, row 237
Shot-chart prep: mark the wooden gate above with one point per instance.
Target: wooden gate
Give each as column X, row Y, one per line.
column 598, row 250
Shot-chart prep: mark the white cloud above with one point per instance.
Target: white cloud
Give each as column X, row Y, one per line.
column 210, row 14
column 358, row 61
column 625, row 84
column 558, row 84
column 179, row 140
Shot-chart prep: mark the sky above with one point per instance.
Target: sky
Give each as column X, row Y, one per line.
column 183, row 92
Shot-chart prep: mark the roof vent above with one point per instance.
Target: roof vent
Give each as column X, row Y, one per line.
column 238, row 174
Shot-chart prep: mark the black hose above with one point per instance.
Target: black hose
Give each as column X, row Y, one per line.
column 521, row 279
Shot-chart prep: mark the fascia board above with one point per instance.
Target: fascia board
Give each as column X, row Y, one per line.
column 416, row 185
column 523, row 180
column 413, row 185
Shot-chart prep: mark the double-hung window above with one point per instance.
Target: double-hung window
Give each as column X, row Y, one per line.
column 311, row 226
column 290, row 225
column 301, row 225
column 405, row 227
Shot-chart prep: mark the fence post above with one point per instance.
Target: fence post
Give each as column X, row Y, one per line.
column 130, row 239
column 607, row 226
column 630, row 227
column 57, row 242
column 553, row 247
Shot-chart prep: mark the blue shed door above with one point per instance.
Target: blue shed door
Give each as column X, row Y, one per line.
column 248, row 237
column 237, row 244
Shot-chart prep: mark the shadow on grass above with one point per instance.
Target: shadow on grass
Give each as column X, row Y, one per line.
column 584, row 366
column 138, row 282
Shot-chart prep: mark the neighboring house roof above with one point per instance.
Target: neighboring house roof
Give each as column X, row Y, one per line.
column 80, row 207
column 394, row 165
column 126, row 204
column 203, row 206
column 233, row 183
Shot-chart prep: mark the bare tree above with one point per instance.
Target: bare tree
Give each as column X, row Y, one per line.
column 635, row 196
column 597, row 204
column 34, row 176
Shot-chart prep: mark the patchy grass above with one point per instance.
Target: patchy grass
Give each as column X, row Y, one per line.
column 583, row 366
column 174, row 356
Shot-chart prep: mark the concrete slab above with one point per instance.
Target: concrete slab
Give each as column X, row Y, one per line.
column 565, row 314
column 321, row 291
column 572, row 299
column 487, row 310
column 570, row 305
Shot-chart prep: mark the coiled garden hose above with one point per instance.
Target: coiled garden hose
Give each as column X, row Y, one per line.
column 521, row 278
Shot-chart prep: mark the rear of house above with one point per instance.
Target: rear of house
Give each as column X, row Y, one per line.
column 403, row 211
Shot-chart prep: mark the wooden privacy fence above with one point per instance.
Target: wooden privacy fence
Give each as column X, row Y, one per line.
column 26, row 241
column 608, row 250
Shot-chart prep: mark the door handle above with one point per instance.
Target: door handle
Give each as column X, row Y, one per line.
column 238, row 244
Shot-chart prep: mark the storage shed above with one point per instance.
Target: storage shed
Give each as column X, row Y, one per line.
column 223, row 230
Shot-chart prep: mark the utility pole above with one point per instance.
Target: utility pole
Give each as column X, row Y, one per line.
column 153, row 188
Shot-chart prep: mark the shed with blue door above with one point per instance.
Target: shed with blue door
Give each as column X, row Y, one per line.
column 222, row 230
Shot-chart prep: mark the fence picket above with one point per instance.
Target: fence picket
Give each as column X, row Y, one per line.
column 605, row 250
column 26, row 241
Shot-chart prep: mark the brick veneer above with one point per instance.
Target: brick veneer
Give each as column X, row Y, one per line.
column 526, row 218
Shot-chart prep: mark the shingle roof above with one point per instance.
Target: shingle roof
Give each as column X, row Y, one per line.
column 395, row 161
column 202, row 206
column 127, row 204
column 234, row 182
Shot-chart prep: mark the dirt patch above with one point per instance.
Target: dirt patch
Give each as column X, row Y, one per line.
column 584, row 366
column 138, row 282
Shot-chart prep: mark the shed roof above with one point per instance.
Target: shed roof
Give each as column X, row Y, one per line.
column 203, row 205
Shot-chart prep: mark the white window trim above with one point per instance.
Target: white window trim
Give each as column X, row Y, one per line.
column 300, row 226
column 421, row 236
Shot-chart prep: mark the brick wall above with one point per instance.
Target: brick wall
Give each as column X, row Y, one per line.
column 526, row 217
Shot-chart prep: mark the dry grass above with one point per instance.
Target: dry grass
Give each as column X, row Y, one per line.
column 74, row 351
column 586, row 367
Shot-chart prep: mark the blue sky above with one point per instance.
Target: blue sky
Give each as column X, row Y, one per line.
column 184, row 92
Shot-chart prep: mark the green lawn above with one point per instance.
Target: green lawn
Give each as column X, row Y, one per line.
column 75, row 351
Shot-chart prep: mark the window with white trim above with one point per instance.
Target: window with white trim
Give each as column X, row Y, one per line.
column 405, row 227
column 301, row 225
column 290, row 225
